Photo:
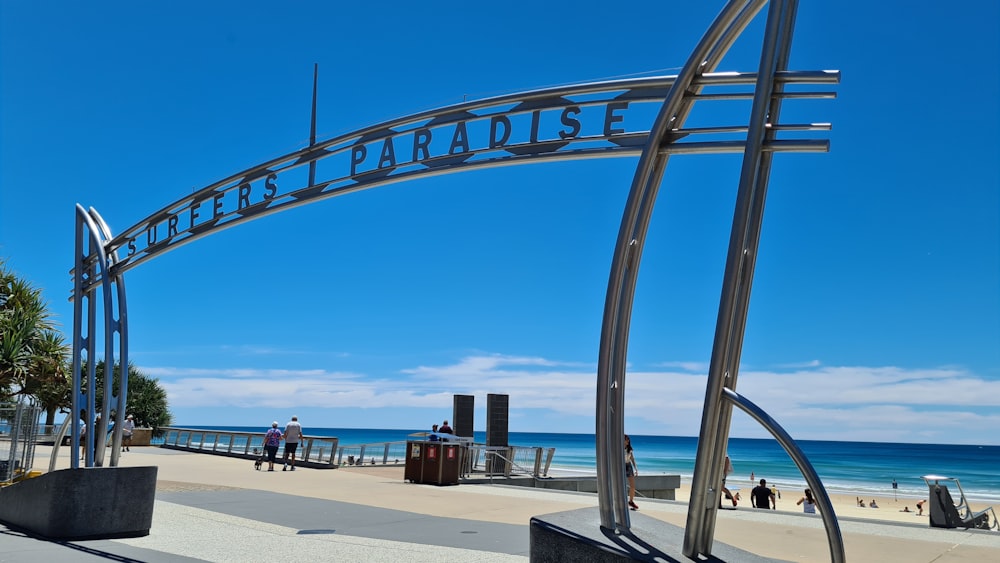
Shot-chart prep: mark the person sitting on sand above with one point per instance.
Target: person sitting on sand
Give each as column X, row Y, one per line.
column 906, row 509
column 873, row 504
column 861, row 503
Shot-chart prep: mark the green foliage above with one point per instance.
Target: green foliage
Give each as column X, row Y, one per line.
column 32, row 355
column 34, row 360
column 49, row 380
column 146, row 400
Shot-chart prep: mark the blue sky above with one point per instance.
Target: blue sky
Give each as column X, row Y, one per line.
column 875, row 312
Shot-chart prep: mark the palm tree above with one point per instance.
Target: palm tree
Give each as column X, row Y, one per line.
column 24, row 318
column 50, row 382
column 146, row 400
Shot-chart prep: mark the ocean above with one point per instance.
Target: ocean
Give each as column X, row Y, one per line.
column 863, row 469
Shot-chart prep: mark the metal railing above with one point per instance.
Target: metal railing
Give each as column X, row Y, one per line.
column 380, row 453
column 507, row 461
column 18, row 435
column 477, row 459
column 315, row 451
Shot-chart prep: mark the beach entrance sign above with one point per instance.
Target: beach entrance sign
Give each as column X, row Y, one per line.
column 640, row 117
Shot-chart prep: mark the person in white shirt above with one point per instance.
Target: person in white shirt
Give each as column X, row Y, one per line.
column 808, row 503
column 128, row 427
column 293, row 434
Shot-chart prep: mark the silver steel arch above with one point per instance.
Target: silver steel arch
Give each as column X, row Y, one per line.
column 346, row 164
column 195, row 216
column 96, row 264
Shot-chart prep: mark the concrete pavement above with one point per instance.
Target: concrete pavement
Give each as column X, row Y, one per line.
column 214, row 508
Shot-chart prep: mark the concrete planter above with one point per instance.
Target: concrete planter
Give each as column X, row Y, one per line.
column 85, row 503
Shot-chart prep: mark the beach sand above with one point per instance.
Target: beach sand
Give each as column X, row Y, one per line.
column 844, row 505
column 889, row 509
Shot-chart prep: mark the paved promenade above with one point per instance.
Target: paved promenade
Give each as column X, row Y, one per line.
column 213, row 508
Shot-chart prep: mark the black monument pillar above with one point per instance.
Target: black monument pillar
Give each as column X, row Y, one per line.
column 497, row 419
column 463, row 413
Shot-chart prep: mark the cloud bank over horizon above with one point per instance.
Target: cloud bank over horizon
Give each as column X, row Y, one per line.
column 810, row 400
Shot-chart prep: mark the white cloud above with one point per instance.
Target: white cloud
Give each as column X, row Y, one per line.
column 697, row 367
column 810, row 402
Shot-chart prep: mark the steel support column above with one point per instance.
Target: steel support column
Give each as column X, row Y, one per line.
column 609, row 421
column 735, row 299
column 92, row 231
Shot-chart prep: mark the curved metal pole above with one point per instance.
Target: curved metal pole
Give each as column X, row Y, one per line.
column 121, row 327
column 82, row 401
column 78, row 299
column 60, row 434
column 624, row 272
column 737, row 281
column 734, row 353
column 823, row 502
column 98, row 435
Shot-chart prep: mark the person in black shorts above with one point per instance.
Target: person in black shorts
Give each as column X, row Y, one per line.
column 762, row 497
column 272, row 439
column 630, row 471
column 292, row 436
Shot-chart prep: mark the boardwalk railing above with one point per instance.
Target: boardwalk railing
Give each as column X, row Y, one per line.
column 478, row 460
column 313, row 451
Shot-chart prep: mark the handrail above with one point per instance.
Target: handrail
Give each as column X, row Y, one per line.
column 315, row 451
column 326, row 451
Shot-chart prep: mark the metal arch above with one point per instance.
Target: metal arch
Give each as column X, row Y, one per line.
column 90, row 226
column 645, row 90
column 735, row 298
column 736, row 286
column 734, row 302
column 121, row 327
column 102, row 265
column 624, row 269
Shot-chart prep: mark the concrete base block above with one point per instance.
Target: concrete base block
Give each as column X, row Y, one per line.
column 86, row 503
column 577, row 535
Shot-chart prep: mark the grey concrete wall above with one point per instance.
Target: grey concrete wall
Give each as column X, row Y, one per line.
column 85, row 503
column 648, row 486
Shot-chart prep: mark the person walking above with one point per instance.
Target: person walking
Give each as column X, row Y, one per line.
column 128, row 427
column 762, row 497
column 272, row 439
column 83, row 435
column 293, row 435
column 631, row 470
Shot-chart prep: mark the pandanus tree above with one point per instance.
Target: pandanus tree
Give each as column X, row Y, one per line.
column 146, row 400
column 33, row 355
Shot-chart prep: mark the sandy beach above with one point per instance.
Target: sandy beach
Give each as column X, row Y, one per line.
column 882, row 534
column 889, row 509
